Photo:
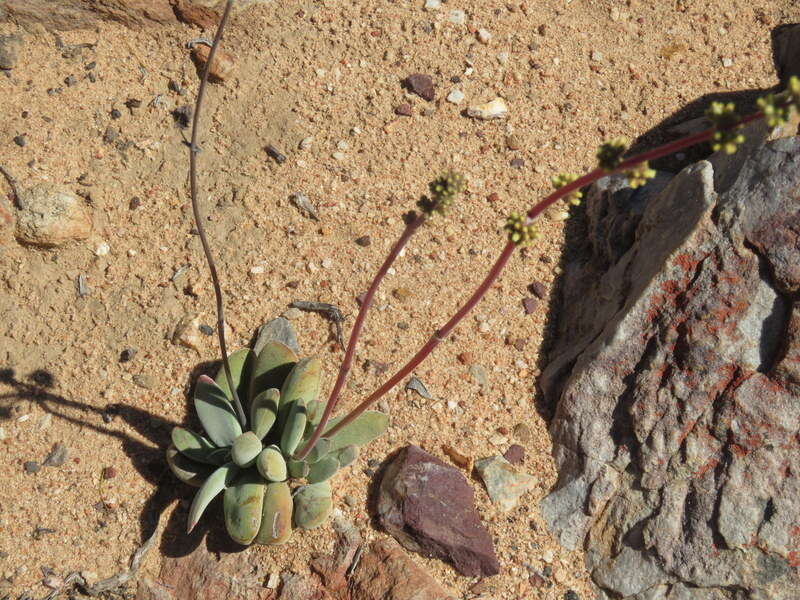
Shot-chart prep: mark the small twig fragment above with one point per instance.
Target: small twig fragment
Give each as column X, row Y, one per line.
column 329, row 310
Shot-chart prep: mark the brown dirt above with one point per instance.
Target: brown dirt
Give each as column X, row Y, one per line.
column 318, row 69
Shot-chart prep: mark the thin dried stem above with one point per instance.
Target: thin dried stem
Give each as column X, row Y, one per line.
column 508, row 250
column 212, row 267
column 411, row 228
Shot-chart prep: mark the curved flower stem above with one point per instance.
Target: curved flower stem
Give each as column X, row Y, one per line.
column 508, row 250
column 347, row 363
column 193, row 151
column 437, row 337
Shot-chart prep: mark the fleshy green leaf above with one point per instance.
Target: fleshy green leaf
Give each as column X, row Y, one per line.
column 243, row 506
column 241, row 362
column 312, row 505
column 347, row 455
column 271, row 367
column 298, row 469
column 323, row 469
column 245, row 449
column 302, row 383
column 187, row 470
column 294, row 428
column 212, row 486
column 315, row 410
column 264, row 411
column 319, row 451
column 276, row 516
column 196, row 447
column 365, row 428
column 216, row 413
column 271, row 465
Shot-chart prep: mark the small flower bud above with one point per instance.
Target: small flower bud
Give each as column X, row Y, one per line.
column 639, row 174
column 725, row 121
column 563, row 179
column 609, row 155
column 444, row 191
column 520, row 232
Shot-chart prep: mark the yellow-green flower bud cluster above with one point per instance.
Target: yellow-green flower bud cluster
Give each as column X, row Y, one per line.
column 444, row 191
column 563, row 179
column 610, row 154
column 725, row 121
column 640, row 174
column 520, row 232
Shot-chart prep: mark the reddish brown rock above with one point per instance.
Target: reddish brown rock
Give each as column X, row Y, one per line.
column 515, row 454
column 429, row 508
column 220, row 69
column 75, row 14
column 385, row 572
column 421, row 85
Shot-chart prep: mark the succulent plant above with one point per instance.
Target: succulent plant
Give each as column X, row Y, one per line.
column 267, row 492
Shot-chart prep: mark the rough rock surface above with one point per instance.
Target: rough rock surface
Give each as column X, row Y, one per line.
column 202, row 576
column 385, row 572
column 429, row 508
column 78, row 14
column 51, row 216
column 504, row 482
column 676, row 383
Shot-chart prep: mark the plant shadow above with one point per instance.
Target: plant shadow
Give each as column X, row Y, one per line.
column 147, row 458
column 785, row 43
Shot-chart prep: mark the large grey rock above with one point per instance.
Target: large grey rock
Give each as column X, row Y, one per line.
column 675, row 380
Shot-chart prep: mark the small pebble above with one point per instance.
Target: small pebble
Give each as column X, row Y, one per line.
column 517, row 163
column 21, row 141
column 306, row 142
column 351, row 501
column 57, row 457
column 278, row 156
column 339, row 155
column 364, row 241
column 522, row 432
column 496, row 109
column 422, row 85
column 597, row 56
column 115, row 114
column 143, row 380
column 530, row 304
column 571, row 595
column 31, row 466
column 206, row 330
column 292, row 313
column 404, row 110
column 512, row 142
column 433, row 4
column 515, row 454
column 502, row 57
column 455, row 96
column 537, row 581
column 402, row 294
column 102, row 249
column 457, row 17
column 484, row 36
column 727, row 62
column 10, row 45
column 538, row 289
column 127, row 354
column 70, row 80
column 478, row 373
column 109, row 473
column 111, row 134
column 402, row 325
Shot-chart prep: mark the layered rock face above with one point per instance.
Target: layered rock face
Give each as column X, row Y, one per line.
column 675, row 379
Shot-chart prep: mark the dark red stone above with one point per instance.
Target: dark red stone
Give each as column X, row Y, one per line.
column 530, row 304
column 515, row 454
column 421, row 85
column 429, row 508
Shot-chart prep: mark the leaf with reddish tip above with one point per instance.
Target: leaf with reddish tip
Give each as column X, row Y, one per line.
column 217, row 481
column 187, row 470
column 215, row 412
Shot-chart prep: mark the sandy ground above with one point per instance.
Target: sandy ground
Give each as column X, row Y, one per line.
column 575, row 73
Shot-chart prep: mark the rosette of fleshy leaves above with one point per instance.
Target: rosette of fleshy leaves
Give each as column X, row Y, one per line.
column 267, row 493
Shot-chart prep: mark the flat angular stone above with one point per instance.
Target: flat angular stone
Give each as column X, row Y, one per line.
column 428, row 506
